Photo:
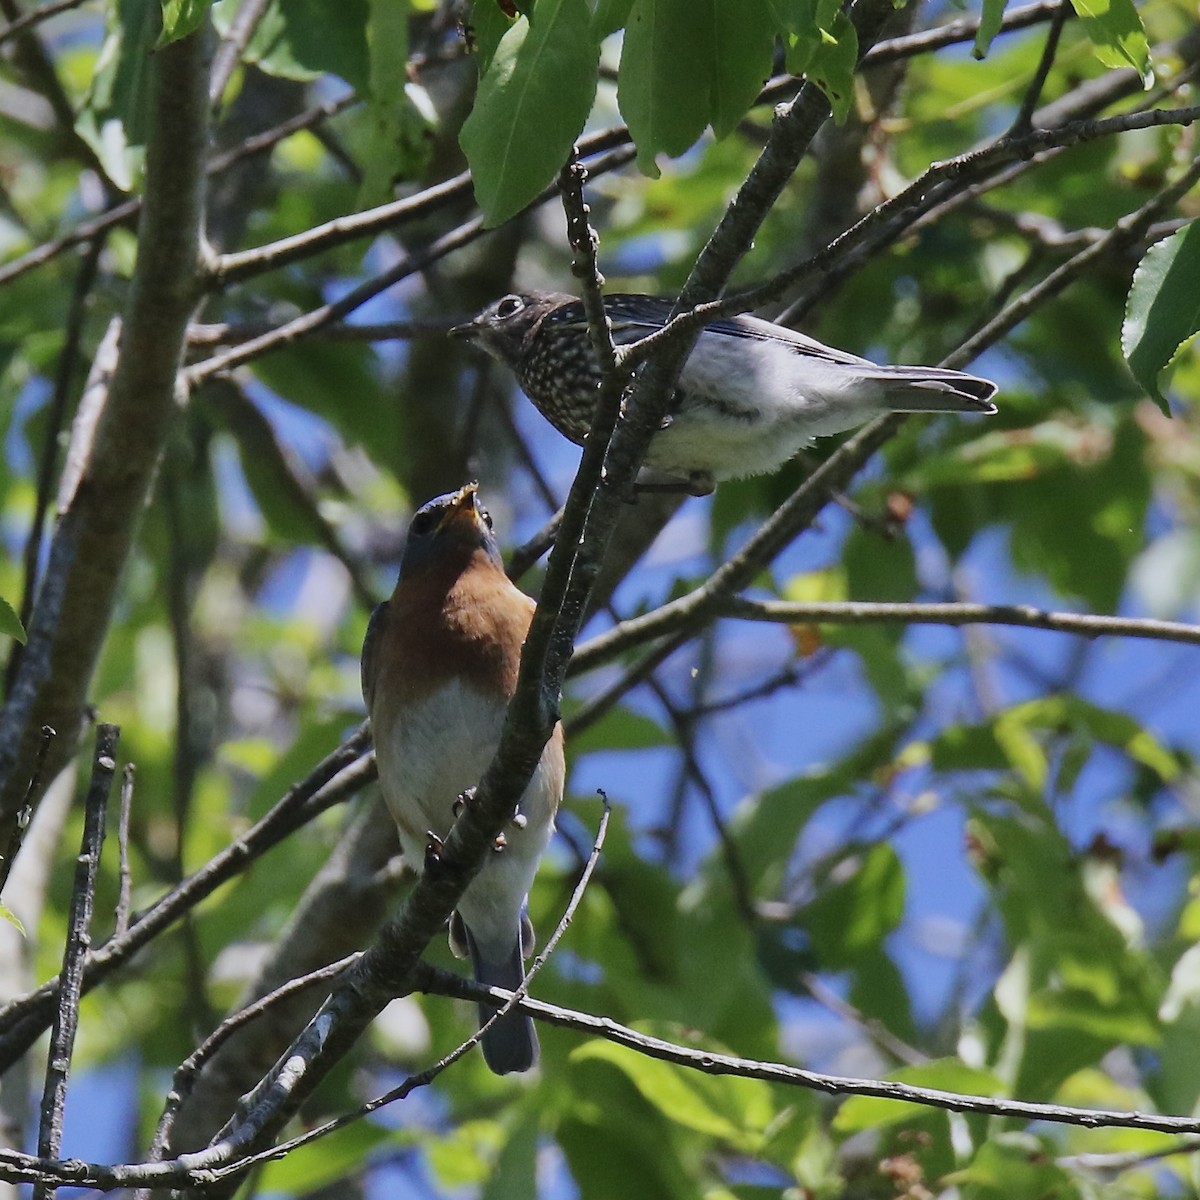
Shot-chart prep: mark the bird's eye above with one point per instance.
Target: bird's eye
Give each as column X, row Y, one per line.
column 487, row 516
column 509, row 307
column 424, row 519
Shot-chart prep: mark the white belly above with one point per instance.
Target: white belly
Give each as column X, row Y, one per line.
column 427, row 758
column 747, row 414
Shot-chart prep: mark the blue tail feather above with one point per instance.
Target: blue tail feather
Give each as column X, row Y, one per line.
column 511, row 1044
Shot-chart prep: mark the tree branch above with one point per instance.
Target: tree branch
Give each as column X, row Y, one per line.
column 79, row 936
column 95, row 536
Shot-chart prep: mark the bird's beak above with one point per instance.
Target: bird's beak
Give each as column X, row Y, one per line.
column 466, row 331
column 463, row 508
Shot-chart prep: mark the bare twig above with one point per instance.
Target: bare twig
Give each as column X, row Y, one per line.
column 232, row 46
column 743, row 892
column 1129, row 230
column 505, row 1002
column 187, row 1071
column 124, row 891
column 875, row 1029
column 127, row 211
column 198, row 1170
column 79, row 936
column 35, row 16
column 1023, row 122
column 860, row 613
column 523, row 557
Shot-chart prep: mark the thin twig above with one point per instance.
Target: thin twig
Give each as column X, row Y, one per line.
column 232, row 46
column 1128, row 231
column 523, row 557
column 595, row 708
column 875, row 1029
column 959, row 613
column 125, row 888
column 35, row 16
column 743, row 893
column 127, row 212
column 505, row 1002
column 1023, row 122
column 79, row 936
column 188, row 1071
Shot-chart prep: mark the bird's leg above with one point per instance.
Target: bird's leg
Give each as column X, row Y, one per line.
column 463, row 800
column 433, row 852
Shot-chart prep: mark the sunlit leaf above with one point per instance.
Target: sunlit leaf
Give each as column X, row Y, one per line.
column 1116, row 31
column 181, row 17
column 531, row 106
column 1163, row 310
column 723, row 1106
column 10, row 623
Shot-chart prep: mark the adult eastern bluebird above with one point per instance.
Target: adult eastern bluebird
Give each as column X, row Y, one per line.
column 439, row 667
column 749, row 397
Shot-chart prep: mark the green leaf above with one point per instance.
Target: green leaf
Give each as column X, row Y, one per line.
column 1116, row 31
column 823, row 47
column 663, row 79
column 1163, row 309
column 609, row 16
column 990, row 21
column 833, row 63
column 400, row 137
column 10, row 623
column 302, row 39
column 531, row 106
column 515, row 1175
column 727, row 1107
column 181, row 17
column 114, row 119
column 11, row 917
column 742, row 43
column 321, row 1163
column 686, row 64
column 1016, row 1166
column 853, row 916
column 488, row 26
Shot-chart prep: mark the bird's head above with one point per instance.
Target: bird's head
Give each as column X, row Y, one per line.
column 449, row 529
column 505, row 326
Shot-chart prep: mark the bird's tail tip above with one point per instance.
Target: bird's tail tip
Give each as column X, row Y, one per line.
column 510, row 1045
column 943, row 391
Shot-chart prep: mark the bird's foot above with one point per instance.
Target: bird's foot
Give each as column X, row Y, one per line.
column 463, row 801
column 500, row 844
column 520, row 820
column 433, row 852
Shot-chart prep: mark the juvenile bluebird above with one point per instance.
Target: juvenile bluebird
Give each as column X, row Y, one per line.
column 439, row 667
column 751, row 394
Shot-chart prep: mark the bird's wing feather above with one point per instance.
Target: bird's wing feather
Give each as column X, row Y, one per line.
column 635, row 316
column 370, row 651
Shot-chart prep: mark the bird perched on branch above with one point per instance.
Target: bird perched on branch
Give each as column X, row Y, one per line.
column 749, row 397
column 439, row 667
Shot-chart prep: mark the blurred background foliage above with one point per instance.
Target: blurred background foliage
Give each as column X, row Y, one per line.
column 964, row 858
